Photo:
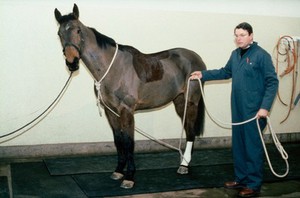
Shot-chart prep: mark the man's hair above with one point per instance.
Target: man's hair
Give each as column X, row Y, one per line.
column 245, row 26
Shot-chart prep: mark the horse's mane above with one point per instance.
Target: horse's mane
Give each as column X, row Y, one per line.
column 103, row 40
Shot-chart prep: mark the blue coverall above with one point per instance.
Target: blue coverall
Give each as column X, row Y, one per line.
column 254, row 86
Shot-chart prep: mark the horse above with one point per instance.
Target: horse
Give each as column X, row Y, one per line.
column 128, row 81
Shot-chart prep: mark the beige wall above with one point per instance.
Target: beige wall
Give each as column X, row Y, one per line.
column 32, row 70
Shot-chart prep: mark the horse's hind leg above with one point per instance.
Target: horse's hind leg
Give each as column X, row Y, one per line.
column 191, row 116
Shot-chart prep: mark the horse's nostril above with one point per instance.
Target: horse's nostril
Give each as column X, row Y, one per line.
column 73, row 66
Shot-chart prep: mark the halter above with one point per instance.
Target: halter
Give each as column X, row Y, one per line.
column 74, row 65
column 73, row 45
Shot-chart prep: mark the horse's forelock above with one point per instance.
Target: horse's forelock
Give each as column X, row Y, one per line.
column 67, row 18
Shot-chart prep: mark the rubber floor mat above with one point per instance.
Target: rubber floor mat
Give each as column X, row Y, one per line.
column 143, row 161
column 33, row 180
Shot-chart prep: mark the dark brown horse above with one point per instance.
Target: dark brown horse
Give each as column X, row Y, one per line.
column 129, row 80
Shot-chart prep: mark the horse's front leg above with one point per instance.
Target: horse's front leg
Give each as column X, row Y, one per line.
column 127, row 129
column 119, row 171
column 123, row 129
column 115, row 124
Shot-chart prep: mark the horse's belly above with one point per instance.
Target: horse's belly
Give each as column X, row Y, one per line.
column 156, row 97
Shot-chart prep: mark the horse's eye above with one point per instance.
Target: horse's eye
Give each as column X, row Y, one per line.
column 78, row 31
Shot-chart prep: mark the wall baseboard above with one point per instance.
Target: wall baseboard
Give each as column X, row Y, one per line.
column 9, row 153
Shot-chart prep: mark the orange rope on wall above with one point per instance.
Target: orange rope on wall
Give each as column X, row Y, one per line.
column 289, row 55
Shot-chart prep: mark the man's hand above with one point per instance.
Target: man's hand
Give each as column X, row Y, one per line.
column 262, row 113
column 196, row 75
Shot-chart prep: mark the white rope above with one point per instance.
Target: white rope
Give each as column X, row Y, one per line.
column 279, row 147
column 98, row 84
column 159, row 141
column 275, row 139
column 212, row 116
column 277, row 143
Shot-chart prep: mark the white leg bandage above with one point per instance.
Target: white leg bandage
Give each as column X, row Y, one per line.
column 187, row 154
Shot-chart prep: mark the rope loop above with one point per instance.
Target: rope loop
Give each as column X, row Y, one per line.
column 277, row 143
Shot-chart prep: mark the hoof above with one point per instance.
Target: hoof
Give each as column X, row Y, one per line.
column 116, row 176
column 183, row 170
column 127, row 184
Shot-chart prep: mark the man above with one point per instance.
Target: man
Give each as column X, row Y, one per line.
column 254, row 87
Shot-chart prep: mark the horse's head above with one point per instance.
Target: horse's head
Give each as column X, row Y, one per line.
column 70, row 36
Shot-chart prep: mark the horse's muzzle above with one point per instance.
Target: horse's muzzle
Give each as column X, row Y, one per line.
column 73, row 66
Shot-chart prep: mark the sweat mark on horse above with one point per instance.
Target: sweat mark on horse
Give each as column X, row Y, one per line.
column 135, row 81
column 148, row 67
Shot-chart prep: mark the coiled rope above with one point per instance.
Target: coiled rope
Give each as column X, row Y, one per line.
column 43, row 113
column 277, row 143
column 291, row 59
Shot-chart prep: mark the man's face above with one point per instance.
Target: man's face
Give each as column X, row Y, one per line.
column 242, row 38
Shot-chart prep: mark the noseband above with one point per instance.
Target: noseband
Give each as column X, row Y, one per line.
column 75, row 64
column 73, row 45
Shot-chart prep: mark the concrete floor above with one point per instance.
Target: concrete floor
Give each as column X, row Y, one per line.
column 287, row 189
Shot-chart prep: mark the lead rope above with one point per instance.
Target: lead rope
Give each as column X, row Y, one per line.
column 275, row 139
column 44, row 112
column 277, row 143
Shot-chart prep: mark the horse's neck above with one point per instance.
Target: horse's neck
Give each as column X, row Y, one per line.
column 96, row 59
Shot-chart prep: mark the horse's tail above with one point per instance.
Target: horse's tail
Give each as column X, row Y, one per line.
column 199, row 124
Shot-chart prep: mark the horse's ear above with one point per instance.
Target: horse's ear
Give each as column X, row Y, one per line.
column 76, row 11
column 57, row 15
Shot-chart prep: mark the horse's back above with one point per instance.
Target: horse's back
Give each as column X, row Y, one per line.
column 162, row 75
column 188, row 58
column 151, row 67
